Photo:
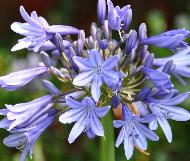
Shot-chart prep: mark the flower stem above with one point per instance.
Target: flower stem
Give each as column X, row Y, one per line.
column 107, row 149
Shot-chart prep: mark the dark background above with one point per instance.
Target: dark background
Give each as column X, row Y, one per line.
column 53, row 146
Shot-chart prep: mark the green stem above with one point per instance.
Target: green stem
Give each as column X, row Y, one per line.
column 107, row 148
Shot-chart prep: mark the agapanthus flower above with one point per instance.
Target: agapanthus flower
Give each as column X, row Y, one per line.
column 133, row 132
column 172, row 39
column 85, row 114
column 37, row 31
column 118, row 16
column 26, row 122
column 96, row 71
column 181, row 61
column 166, row 108
column 20, row 78
column 25, row 138
column 21, row 115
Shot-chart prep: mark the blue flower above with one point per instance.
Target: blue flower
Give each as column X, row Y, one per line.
column 37, row 31
column 160, row 79
column 172, row 39
column 181, row 61
column 20, row 78
column 101, row 8
column 133, row 132
column 95, row 71
column 23, row 114
column 118, row 16
column 165, row 108
column 85, row 114
column 25, row 139
column 26, row 122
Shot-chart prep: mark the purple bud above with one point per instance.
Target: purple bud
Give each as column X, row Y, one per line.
column 80, row 46
column 56, row 72
column 103, row 44
column 168, row 67
column 93, row 30
column 106, row 29
column 52, row 89
column 59, row 42
column 98, row 34
column 46, row 59
column 82, row 35
column 115, row 101
column 149, row 61
column 101, row 8
column 128, row 18
column 131, row 42
column 142, row 31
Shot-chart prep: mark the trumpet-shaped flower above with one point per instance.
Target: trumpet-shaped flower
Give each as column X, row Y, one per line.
column 37, row 31
column 133, row 132
column 172, row 39
column 181, row 61
column 85, row 114
column 23, row 114
column 166, row 108
column 96, row 71
column 20, row 78
column 25, row 138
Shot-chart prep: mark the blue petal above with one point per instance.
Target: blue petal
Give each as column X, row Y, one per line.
column 77, row 129
column 118, row 123
column 120, row 137
column 83, row 79
column 146, row 132
column 128, row 146
column 176, row 113
column 96, row 125
column 95, row 87
column 153, row 125
column 95, row 57
column 63, row 30
column 71, row 115
column 110, row 63
column 165, row 127
column 101, row 111
column 71, row 102
column 27, row 18
column 83, row 64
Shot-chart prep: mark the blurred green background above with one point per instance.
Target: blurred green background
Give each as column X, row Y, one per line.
column 160, row 15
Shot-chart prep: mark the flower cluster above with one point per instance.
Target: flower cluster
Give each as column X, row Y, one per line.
column 102, row 74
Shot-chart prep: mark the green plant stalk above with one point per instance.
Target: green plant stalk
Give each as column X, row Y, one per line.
column 107, row 143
